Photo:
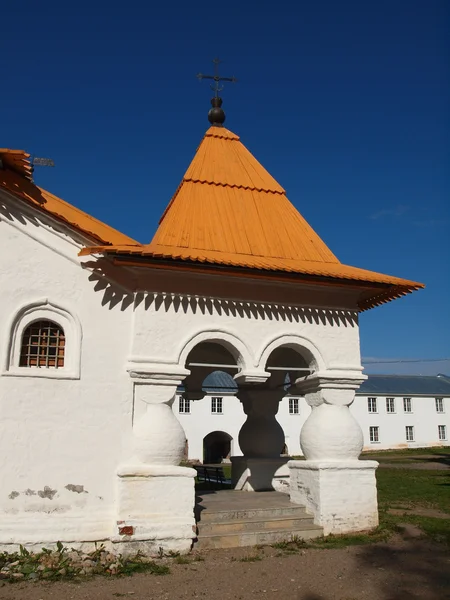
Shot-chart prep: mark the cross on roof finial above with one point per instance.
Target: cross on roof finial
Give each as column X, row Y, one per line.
column 216, row 115
column 216, row 87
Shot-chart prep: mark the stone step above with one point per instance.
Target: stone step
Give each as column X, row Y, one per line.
column 215, row 515
column 255, row 524
column 254, row 538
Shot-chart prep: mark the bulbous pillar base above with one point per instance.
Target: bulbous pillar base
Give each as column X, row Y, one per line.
column 155, row 496
column 332, row 483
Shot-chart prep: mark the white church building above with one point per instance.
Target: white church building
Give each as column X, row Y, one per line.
column 98, row 331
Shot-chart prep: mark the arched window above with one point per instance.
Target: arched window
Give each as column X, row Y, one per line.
column 45, row 341
column 43, row 345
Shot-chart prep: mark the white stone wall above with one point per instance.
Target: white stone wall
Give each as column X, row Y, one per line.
column 60, row 430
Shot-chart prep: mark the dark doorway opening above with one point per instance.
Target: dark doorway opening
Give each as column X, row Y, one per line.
column 216, row 447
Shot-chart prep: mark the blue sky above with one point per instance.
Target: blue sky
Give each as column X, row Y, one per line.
column 345, row 103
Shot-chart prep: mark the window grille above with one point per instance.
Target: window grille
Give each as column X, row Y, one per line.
column 43, row 345
column 184, row 405
column 293, row 406
column 409, row 433
column 374, row 434
column 442, row 429
column 390, row 405
column 440, row 405
column 216, row 405
column 407, row 405
column 372, row 405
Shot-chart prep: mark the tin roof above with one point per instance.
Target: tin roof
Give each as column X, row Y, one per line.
column 407, row 385
column 15, row 178
column 396, row 385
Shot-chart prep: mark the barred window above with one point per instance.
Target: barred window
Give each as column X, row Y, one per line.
column 43, row 345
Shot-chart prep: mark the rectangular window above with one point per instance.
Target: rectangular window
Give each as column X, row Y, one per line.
column 407, row 405
column 372, row 405
column 293, row 406
column 409, row 433
column 390, row 405
column 216, row 406
column 374, row 433
column 442, row 432
column 440, row 405
column 184, row 405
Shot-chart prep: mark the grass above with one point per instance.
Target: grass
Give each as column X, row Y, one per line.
column 409, row 488
column 409, row 452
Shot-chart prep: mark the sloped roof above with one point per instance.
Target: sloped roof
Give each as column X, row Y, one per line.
column 414, row 385
column 15, row 177
column 229, row 211
column 397, row 385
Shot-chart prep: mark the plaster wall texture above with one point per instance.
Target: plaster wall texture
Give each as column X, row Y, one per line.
column 59, row 436
column 167, row 327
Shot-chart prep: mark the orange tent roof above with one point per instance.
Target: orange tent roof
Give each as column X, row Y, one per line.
column 229, row 211
column 15, row 177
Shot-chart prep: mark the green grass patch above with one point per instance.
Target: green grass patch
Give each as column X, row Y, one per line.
column 409, row 488
column 437, row 451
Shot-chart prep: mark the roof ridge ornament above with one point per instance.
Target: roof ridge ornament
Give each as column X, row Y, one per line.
column 216, row 115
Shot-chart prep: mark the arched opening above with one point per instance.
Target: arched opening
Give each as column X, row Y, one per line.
column 216, row 447
column 203, row 360
column 286, row 364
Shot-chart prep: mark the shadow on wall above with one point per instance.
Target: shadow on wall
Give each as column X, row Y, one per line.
column 117, row 286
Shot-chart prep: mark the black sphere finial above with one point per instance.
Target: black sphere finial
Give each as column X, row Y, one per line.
column 216, row 115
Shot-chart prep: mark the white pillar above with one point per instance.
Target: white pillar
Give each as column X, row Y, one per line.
column 338, row 488
column 155, row 495
column 261, row 440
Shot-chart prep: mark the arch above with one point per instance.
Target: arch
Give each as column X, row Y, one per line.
column 44, row 310
column 307, row 349
column 229, row 341
column 216, row 446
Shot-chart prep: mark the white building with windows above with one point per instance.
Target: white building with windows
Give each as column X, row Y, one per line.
column 394, row 411
column 98, row 331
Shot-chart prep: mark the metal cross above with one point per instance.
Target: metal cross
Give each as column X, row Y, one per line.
column 216, row 87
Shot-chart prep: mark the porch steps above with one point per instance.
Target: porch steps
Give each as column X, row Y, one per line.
column 276, row 519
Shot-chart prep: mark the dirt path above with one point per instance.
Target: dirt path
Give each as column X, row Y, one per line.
column 403, row 569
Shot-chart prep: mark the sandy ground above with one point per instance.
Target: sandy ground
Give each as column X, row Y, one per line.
column 406, row 568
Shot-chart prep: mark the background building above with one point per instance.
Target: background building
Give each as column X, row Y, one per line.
column 394, row 411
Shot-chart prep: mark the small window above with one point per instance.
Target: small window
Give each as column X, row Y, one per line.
column 409, row 433
column 390, row 405
column 440, row 405
column 293, row 406
column 407, row 405
column 184, row 405
column 43, row 344
column 372, row 405
column 374, row 434
column 216, row 406
column 442, row 429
